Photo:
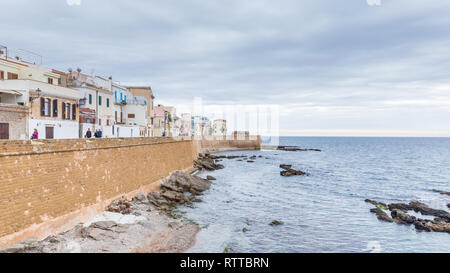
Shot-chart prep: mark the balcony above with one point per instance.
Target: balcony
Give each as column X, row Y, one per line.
column 24, row 87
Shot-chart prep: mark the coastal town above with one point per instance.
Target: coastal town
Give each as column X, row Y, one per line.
column 37, row 102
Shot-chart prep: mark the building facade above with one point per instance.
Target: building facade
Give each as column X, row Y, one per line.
column 52, row 109
column 96, row 103
column 160, row 121
column 219, row 127
column 145, row 94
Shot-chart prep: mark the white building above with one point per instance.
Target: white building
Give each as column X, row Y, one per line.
column 53, row 109
column 219, row 127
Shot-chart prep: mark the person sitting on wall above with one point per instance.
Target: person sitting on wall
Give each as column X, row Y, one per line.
column 88, row 133
column 99, row 133
column 35, row 134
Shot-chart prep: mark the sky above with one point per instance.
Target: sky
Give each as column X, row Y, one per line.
column 330, row 67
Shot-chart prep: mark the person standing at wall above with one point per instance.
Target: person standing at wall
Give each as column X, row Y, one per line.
column 35, row 134
column 88, row 133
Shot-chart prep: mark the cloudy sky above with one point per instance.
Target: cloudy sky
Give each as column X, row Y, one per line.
column 334, row 67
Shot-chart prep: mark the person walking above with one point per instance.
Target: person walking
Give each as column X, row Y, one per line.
column 35, row 134
column 88, row 133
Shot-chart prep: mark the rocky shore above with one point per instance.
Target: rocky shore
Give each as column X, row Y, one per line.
column 144, row 224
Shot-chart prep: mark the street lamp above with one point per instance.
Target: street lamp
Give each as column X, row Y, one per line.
column 38, row 92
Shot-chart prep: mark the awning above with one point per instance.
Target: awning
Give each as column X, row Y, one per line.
column 13, row 92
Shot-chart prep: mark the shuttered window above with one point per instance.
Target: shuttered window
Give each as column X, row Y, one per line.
column 74, row 111
column 12, row 76
column 107, row 103
column 55, row 108
column 63, row 110
column 42, row 107
column 99, row 100
column 2, row 75
column 67, row 112
column 45, row 107
column 90, row 98
column 50, row 81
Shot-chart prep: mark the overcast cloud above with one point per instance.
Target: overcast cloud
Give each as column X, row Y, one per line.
column 335, row 67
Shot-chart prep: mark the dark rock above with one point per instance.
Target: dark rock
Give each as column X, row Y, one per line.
column 250, row 161
column 399, row 213
column 156, row 199
column 121, row 205
column 292, row 172
column 140, row 197
column 209, row 177
column 173, row 196
column 376, row 203
column 295, row 149
column 400, row 206
column 276, row 223
column 381, row 215
column 442, row 192
column 206, row 162
column 286, row 167
column 402, row 217
column 425, row 210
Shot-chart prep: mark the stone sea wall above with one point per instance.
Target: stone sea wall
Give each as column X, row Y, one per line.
column 49, row 186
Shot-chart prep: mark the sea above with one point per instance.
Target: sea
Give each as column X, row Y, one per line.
column 325, row 211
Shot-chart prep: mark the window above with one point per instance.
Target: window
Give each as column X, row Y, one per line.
column 74, row 111
column 99, row 121
column 50, row 81
column 121, row 97
column 107, row 103
column 90, row 98
column 63, row 108
column 45, row 107
column 99, row 100
column 12, row 76
column 115, row 96
column 55, row 108
column 2, row 75
column 131, row 116
column 67, row 111
column 107, row 122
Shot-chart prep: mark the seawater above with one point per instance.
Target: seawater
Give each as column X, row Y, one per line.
column 324, row 212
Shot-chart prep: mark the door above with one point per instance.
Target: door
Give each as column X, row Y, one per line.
column 49, row 132
column 4, row 130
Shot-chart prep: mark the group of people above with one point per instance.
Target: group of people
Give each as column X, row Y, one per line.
column 97, row 134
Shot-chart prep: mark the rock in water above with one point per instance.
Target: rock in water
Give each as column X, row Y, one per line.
column 286, row 167
column 399, row 213
column 206, row 162
column 381, row 215
column 442, row 192
column 288, row 171
column 209, row 177
column 292, row 172
column 276, row 223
